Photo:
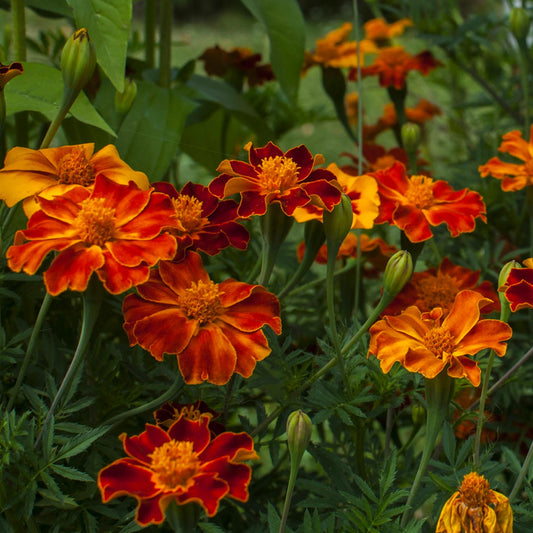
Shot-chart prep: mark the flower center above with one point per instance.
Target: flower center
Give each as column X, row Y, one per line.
column 95, row 222
column 174, row 464
column 278, row 173
column 475, row 490
column 439, row 341
column 188, row 213
column 439, row 291
column 420, row 191
column 201, row 301
column 74, row 169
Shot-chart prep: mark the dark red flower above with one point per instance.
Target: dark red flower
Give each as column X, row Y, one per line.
column 169, row 412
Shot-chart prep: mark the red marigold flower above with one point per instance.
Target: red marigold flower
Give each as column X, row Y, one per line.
column 184, row 464
column 392, row 64
column 214, row 329
column 428, row 342
column 514, row 176
column 413, row 203
column 518, row 287
column 203, row 222
column 273, row 176
column 111, row 229
column 439, row 287
column 169, row 412
column 52, row 171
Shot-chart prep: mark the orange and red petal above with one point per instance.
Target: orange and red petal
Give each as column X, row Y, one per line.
column 152, row 510
column 207, row 490
column 485, row 334
column 303, row 158
column 322, row 190
column 228, row 445
column 256, row 155
column 520, row 295
column 420, row 359
column 464, row 367
column 132, row 253
column 195, row 431
column 141, row 446
column 65, row 207
column 514, row 144
column 464, row 313
column 210, row 356
column 290, row 200
column 180, row 276
column 253, row 203
column 413, row 222
column 155, row 290
column 117, row 278
column 237, row 476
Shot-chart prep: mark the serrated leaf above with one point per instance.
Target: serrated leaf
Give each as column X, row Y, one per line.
column 29, row 499
column 40, row 89
column 70, row 473
column 79, row 444
column 55, row 499
column 274, row 519
column 108, row 24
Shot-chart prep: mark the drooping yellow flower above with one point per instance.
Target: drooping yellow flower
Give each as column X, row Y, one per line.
column 476, row 508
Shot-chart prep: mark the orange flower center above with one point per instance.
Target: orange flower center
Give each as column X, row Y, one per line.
column 475, row 490
column 201, row 301
column 188, row 212
column 439, row 341
column 420, row 191
column 278, row 174
column 95, row 222
column 174, row 465
column 439, row 291
column 74, row 169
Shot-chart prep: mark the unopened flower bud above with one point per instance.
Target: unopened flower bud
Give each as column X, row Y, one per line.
column 338, row 221
column 78, row 61
column 299, row 428
column 410, row 137
column 398, row 272
column 124, row 100
column 502, row 280
column 504, row 272
column 519, row 23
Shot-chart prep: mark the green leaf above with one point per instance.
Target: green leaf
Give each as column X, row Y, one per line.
column 80, row 443
column 55, row 8
column 71, row 473
column 108, row 23
column 286, row 31
column 274, row 520
column 40, row 89
column 149, row 136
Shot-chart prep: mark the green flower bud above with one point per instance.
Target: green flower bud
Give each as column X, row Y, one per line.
column 338, row 221
column 502, row 280
column 299, row 428
column 78, row 61
column 124, row 100
column 505, row 271
column 519, row 23
column 398, row 272
column 410, row 137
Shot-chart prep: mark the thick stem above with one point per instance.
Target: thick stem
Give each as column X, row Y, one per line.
column 19, row 45
column 165, row 42
column 150, row 15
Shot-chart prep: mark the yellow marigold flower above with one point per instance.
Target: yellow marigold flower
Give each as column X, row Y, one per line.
column 476, row 508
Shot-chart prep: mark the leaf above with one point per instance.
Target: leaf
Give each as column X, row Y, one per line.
column 274, row 520
column 80, row 443
column 108, row 23
column 57, row 8
column 149, row 136
column 286, row 31
column 71, row 473
column 40, row 89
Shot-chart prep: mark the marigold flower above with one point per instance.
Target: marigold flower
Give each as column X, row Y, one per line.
column 514, row 176
column 53, row 171
column 214, row 329
column 428, row 342
column 413, row 203
column 184, row 464
column 362, row 192
column 476, row 508
column 466, row 420
column 8, row 72
column 203, row 222
column 113, row 230
column 289, row 179
column 518, row 288
column 439, row 287
column 392, row 64
column 169, row 412
column 379, row 31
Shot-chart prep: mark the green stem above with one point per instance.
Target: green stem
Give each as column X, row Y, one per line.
column 92, row 299
column 150, row 12
column 524, row 75
column 288, row 496
column 31, row 347
column 19, row 45
column 182, row 518
column 522, row 473
column 68, row 99
column 165, row 42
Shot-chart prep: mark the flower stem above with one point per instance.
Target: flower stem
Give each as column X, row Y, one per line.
column 182, row 518
column 165, row 42
column 288, row 495
column 92, row 299
column 31, row 347
column 19, row 45
column 522, row 473
column 68, row 99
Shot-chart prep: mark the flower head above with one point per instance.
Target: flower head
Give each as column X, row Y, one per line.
column 514, row 176
column 428, row 342
column 518, row 287
column 184, row 464
column 169, row 412
column 203, row 222
column 379, row 31
column 111, row 229
column 8, row 72
column 414, row 203
column 476, row 508
column 52, row 171
column 213, row 328
column 289, row 179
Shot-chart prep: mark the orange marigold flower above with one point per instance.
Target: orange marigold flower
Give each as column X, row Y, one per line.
column 429, row 342
column 8, row 72
column 213, row 328
column 414, row 203
column 112, row 229
column 476, row 508
column 184, row 464
column 362, row 192
column 518, row 287
column 52, row 171
column 392, row 64
column 514, row 176
column 203, row 222
column 439, row 287
column 379, row 31
column 169, row 412
column 289, row 179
